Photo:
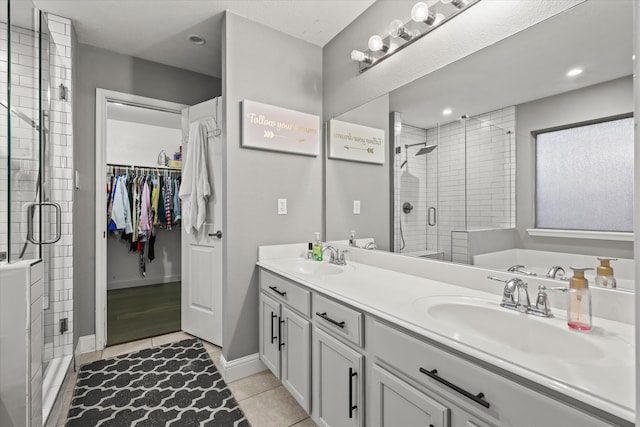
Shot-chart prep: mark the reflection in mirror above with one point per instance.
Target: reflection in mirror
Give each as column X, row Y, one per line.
column 463, row 185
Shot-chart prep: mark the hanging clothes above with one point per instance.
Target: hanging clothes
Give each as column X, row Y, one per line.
column 195, row 189
column 140, row 203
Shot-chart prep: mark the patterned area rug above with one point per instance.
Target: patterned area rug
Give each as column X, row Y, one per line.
column 174, row 385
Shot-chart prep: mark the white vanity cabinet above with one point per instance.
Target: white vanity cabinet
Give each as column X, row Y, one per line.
column 338, row 382
column 475, row 396
column 285, row 336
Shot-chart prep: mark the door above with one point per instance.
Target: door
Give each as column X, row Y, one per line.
column 339, row 384
column 296, row 357
column 270, row 334
column 202, row 250
column 397, row 403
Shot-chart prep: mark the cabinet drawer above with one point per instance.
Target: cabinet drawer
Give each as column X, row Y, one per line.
column 340, row 320
column 286, row 291
column 503, row 399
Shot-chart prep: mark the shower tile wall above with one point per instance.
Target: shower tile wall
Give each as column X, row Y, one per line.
column 486, row 201
column 62, row 185
column 411, row 183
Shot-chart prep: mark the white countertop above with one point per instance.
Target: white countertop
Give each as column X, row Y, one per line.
column 605, row 381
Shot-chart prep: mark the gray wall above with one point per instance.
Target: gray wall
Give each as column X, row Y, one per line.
column 344, row 88
column 347, row 181
column 594, row 102
column 100, row 68
column 263, row 65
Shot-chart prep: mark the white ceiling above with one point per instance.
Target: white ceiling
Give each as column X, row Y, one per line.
column 596, row 36
column 157, row 30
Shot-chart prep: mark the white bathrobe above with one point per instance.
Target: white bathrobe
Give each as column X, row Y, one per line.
column 195, row 188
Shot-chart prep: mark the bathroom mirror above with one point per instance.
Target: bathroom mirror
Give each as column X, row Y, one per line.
column 460, row 188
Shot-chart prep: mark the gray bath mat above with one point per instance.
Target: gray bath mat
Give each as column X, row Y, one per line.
column 174, row 385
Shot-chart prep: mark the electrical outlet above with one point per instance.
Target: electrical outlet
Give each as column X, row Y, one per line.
column 282, row 206
column 356, row 207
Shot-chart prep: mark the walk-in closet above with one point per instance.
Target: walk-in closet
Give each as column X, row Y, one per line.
column 142, row 182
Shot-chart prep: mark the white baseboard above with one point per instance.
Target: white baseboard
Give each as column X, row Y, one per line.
column 86, row 344
column 236, row 369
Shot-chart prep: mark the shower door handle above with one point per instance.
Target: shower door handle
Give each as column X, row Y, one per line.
column 31, row 210
column 431, row 216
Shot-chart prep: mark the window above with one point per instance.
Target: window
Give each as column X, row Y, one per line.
column 584, row 177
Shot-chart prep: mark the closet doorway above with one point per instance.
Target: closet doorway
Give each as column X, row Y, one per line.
column 152, row 277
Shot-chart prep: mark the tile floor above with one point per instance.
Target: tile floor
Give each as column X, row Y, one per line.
column 265, row 402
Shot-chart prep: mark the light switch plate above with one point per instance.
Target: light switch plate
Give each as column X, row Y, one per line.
column 356, row 207
column 282, row 206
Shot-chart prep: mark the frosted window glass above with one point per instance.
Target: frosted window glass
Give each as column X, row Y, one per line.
column 584, row 177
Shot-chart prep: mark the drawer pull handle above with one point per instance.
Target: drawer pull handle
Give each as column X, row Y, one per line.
column 274, row 289
column 273, row 337
column 330, row 320
column 351, row 405
column 478, row 398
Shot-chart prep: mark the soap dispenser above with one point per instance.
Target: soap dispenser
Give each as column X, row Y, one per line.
column 579, row 301
column 317, row 248
column 352, row 239
column 605, row 273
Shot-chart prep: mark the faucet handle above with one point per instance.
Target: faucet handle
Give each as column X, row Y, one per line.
column 341, row 258
column 542, row 307
column 515, row 267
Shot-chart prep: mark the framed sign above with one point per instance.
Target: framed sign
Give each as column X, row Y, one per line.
column 349, row 141
column 278, row 129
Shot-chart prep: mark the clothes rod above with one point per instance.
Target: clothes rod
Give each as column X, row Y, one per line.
column 145, row 168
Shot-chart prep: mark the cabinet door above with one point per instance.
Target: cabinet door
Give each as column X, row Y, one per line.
column 269, row 334
column 296, row 357
column 397, row 403
column 339, row 383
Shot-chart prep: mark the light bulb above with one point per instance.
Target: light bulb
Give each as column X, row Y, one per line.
column 396, row 29
column 376, row 43
column 356, row 55
column 420, row 12
column 447, row 111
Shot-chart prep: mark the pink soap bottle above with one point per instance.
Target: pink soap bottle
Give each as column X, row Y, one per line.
column 579, row 301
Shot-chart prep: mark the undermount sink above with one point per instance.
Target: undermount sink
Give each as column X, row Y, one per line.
column 312, row 268
column 469, row 319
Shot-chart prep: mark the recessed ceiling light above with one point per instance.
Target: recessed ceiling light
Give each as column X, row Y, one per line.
column 118, row 104
column 196, row 39
column 574, row 72
column 447, row 111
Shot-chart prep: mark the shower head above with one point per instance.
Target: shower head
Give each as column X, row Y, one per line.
column 426, row 150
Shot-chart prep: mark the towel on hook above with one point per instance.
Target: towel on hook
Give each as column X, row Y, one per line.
column 195, row 189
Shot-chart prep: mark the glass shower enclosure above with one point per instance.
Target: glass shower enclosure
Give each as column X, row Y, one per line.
column 30, row 216
column 453, row 180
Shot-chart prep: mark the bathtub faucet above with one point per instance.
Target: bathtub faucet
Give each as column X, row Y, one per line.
column 519, row 269
column 553, row 272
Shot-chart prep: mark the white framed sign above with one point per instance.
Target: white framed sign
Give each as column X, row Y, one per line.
column 349, row 141
column 278, row 129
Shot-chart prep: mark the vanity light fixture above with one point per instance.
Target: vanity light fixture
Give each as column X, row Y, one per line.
column 424, row 19
column 457, row 3
column 397, row 29
column 574, row 72
column 421, row 13
column 362, row 57
column 377, row 44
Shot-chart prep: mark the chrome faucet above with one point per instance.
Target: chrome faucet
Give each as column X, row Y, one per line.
column 515, row 295
column 337, row 255
column 554, row 271
column 519, row 269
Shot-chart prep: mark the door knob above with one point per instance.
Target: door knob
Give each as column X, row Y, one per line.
column 217, row 234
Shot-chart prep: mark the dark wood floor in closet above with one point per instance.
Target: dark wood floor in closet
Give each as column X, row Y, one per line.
column 142, row 312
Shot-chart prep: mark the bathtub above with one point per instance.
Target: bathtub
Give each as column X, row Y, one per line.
column 539, row 262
